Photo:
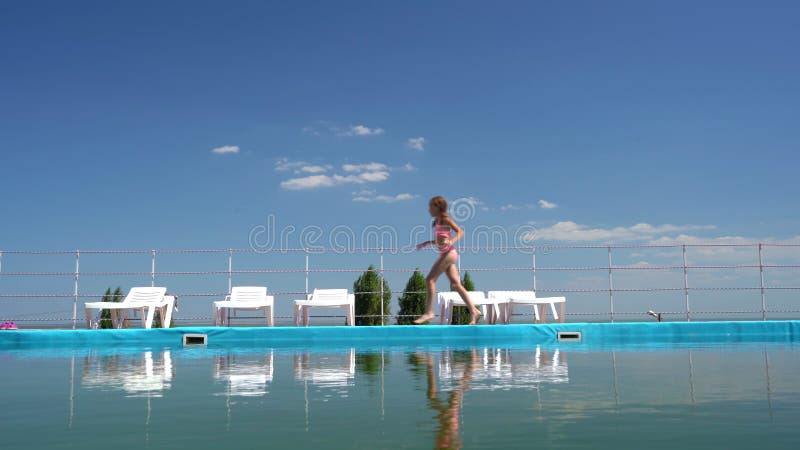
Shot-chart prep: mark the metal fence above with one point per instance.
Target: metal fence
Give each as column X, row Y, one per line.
column 788, row 261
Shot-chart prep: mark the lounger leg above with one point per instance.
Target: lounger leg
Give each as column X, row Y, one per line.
column 89, row 318
column 270, row 316
column 115, row 322
column 509, row 312
column 166, row 322
column 348, row 320
column 553, row 308
column 442, row 312
column 296, row 315
column 305, row 316
column 151, row 312
column 535, row 313
column 561, row 308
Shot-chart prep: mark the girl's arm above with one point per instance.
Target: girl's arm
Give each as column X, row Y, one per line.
column 424, row 244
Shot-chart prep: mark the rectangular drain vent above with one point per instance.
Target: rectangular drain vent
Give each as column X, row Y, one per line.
column 569, row 336
column 195, row 339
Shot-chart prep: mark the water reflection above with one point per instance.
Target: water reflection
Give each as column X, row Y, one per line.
column 448, row 409
column 503, row 369
column 480, row 369
column 244, row 376
column 143, row 375
column 326, row 370
column 533, row 388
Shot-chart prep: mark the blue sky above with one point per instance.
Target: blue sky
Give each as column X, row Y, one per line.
column 678, row 115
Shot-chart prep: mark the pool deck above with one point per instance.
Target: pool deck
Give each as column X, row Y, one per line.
column 592, row 334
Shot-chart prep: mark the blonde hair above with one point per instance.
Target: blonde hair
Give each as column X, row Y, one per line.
column 440, row 203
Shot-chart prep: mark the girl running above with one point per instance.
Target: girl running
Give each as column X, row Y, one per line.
column 445, row 263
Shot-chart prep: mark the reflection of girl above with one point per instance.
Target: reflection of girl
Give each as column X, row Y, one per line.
column 445, row 263
column 448, row 412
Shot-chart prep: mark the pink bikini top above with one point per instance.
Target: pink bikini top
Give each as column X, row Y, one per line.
column 442, row 231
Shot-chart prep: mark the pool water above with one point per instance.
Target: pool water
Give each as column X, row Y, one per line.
column 558, row 396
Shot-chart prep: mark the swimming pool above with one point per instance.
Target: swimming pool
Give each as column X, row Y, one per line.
column 472, row 387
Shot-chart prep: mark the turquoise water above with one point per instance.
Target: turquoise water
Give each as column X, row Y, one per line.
column 556, row 396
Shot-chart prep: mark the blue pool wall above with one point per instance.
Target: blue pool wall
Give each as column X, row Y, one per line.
column 592, row 334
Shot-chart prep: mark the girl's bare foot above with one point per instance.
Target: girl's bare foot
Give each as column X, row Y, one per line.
column 475, row 316
column 424, row 318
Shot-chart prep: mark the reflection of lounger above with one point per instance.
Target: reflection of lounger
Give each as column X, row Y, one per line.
column 247, row 378
column 326, row 370
column 501, row 369
column 138, row 378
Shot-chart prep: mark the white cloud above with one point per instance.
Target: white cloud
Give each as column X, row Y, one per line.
column 360, row 130
column 371, row 197
column 732, row 248
column 572, row 232
column 285, row 164
column 310, row 130
column 314, row 169
column 363, row 167
column 225, row 149
column 320, row 175
column 544, row 204
column 309, row 182
column 509, row 207
column 417, row 143
column 320, row 181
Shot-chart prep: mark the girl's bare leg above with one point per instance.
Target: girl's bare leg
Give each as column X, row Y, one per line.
column 436, row 270
column 455, row 282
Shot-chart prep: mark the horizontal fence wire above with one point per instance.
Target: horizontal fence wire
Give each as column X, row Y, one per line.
column 609, row 268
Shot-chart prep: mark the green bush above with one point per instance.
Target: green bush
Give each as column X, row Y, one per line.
column 461, row 313
column 414, row 299
column 367, row 289
column 105, row 315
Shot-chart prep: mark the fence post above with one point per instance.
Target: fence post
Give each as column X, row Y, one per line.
column 761, row 273
column 534, row 269
column 153, row 269
column 610, row 285
column 75, row 299
column 306, row 251
column 230, row 270
column 686, row 285
column 381, row 280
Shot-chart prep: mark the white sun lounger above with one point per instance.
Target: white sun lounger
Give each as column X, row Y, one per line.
column 326, row 298
column 148, row 300
column 529, row 298
column 248, row 298
column 448, row 299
